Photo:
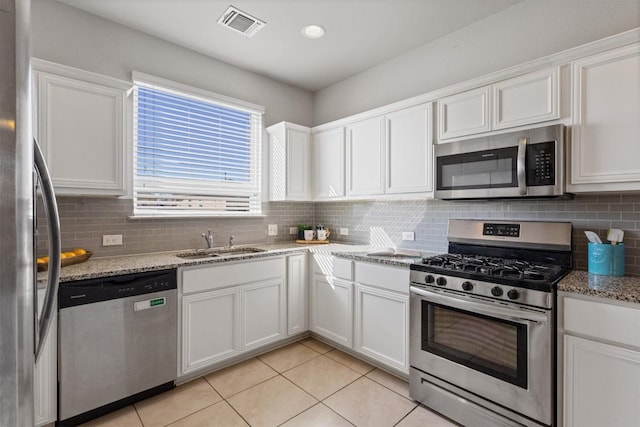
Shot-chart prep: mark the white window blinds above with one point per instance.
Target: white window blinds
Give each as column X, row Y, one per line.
column 194, row 155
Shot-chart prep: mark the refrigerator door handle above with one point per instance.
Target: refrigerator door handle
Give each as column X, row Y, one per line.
column 53, row 231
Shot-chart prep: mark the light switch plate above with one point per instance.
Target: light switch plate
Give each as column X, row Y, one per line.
column 112, row 240
column 272, row 230
column 293, row 230
column 344, row 231
column 408, row 235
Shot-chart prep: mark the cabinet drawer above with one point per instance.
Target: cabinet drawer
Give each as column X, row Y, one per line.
column 329, row 265
column 385, row 277
column 601, row 320
column 198, row 279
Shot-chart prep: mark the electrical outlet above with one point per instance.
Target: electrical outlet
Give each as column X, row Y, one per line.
column 344, row 231
column 272, row 230
column 408, row 235
column 293, row 230
column 112, row 240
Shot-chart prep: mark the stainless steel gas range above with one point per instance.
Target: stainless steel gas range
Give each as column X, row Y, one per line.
column 482, row 322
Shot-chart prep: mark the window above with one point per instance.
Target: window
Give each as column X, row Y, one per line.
column 195, row 153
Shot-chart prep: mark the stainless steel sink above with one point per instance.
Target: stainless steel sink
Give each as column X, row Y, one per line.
column 197, row 255
column 237, row 251
column 215, row 253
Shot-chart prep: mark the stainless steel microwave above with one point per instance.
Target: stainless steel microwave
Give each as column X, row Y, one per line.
column 528, row 163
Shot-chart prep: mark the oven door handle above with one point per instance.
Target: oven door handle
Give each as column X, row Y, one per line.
column 481, row 308
column 521, row 165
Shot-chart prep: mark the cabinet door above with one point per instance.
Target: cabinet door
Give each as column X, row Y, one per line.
column 464, row 113
column 531, row 98
column 382, row 326
column 327, row 164
column 45, row 386
column 365, row 157
column 601, row 384
column 210, row 328
column 332, row 309
column 289, row 162
column 81, row 126
column 263, row 313
column 296, row 294
column 606, row 106
column 409, row 150
column 298, row 171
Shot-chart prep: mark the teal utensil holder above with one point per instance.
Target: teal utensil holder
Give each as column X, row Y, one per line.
column 605, row 259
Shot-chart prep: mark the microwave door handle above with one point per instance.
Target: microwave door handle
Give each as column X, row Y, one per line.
column 521, row 164
column 481, row 308
column 53, row 228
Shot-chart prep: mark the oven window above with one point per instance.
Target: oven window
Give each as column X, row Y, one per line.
column 493, row 346
column 485, row 169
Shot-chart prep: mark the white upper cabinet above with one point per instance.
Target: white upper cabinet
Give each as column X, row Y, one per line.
column 523, row 100
column 605, row 137
column 82, row 124
column 409, row 150
column 289, row 162
column 464, row 113
column 366, row 157
column 328, row 164
column 526, row 99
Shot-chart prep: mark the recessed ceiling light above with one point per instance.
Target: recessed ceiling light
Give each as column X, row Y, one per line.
column 312, row 31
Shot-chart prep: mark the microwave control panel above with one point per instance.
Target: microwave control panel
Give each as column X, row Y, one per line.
column 541, row 164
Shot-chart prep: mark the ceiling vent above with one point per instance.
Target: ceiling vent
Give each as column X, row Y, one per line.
column 240, row 21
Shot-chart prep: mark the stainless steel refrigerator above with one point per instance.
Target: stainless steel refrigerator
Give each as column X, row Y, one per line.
column 21, row 331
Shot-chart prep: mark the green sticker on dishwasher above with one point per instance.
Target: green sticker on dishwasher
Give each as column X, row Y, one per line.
column 157, row 301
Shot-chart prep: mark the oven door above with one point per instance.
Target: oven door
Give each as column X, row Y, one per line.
column 499, row 353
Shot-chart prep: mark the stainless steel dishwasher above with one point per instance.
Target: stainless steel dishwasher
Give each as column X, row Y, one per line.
column 117, row 343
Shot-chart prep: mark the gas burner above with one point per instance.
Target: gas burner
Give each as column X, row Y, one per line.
column 516, row 272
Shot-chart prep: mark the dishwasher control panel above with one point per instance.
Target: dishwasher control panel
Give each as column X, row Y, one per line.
column 107, row 288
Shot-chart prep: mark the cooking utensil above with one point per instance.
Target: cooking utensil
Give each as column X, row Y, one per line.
column 593, row 237
column 615, row 235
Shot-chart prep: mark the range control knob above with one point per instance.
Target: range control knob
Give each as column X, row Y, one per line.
column 513, row 294
column 429, row 278
column 441, row 281
column 496, row 291
column 467, row 286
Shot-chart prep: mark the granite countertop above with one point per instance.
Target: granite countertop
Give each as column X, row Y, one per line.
column 117, row 265
column 625, row 288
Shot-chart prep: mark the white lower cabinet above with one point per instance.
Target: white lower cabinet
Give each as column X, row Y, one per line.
column 229, row 309
column 332, row 309
column 600, row 363
column 296, row 294
column 209, row 328
column 45, row 388
column 602, row 384
column 381, row 326
column 263, row 313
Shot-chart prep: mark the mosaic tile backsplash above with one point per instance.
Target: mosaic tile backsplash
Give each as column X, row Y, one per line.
column 380, row 223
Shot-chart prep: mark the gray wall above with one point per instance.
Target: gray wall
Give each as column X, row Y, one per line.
column 524, row 32
column 382, row 223
column 78, row 39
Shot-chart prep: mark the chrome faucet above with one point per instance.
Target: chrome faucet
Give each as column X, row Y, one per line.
column 231, row 241
column 208, row 237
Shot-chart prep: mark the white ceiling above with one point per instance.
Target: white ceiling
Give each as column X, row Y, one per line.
column 360, row 33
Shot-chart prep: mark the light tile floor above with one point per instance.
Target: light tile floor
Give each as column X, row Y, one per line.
column 304, row 384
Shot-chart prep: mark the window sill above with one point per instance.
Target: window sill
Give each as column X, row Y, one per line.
column 192, row 216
